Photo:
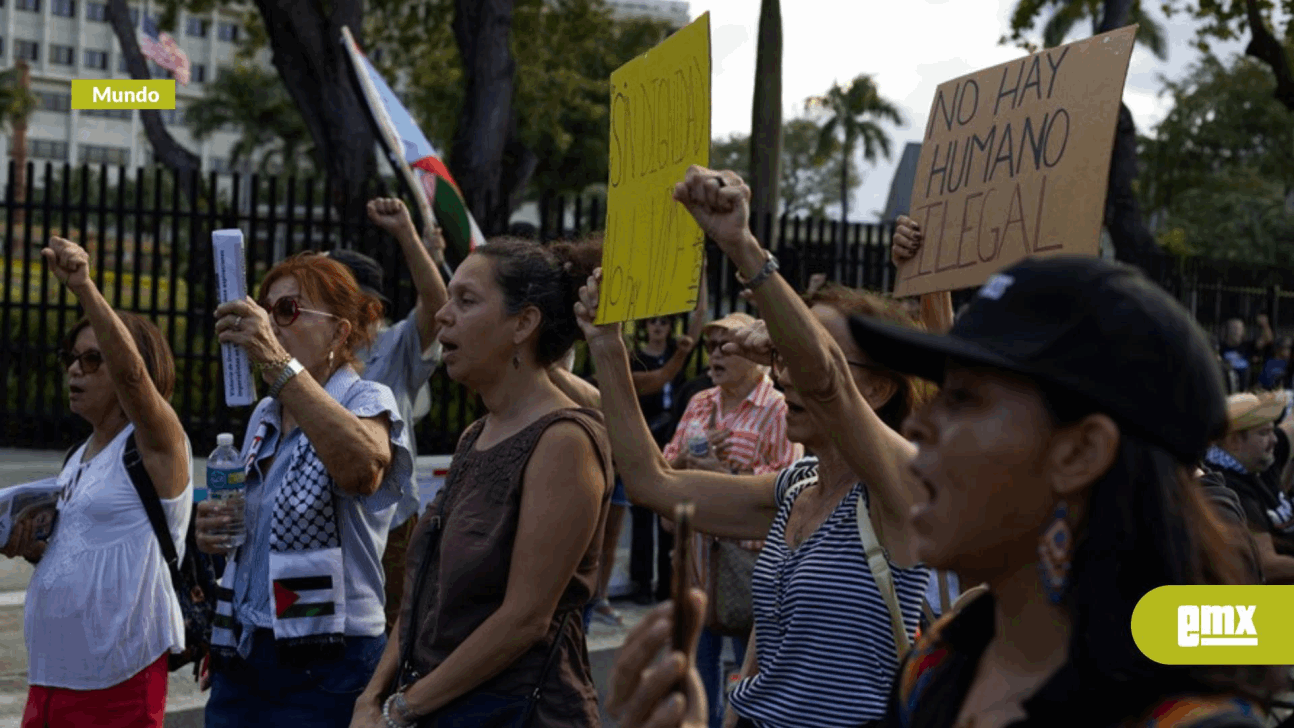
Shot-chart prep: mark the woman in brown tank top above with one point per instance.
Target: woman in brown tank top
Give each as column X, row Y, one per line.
column 505, row 558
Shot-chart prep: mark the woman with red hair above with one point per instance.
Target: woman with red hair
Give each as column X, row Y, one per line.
column 300, row 616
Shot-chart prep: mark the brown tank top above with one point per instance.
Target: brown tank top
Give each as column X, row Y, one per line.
column 467, row 572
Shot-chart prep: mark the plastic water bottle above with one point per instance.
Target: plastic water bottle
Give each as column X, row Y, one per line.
column 225, row 487
column 697, row 443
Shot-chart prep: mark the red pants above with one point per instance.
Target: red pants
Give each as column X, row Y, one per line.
column 139, row 702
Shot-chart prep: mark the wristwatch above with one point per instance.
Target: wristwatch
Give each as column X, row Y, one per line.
column 291, row 369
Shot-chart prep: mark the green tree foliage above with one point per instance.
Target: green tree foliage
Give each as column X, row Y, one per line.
column 1217, row 173
column 1257, row 20
column 807, row 183
column 1066, row 14
column 856, row 113
column 252, row 102
column 565, row 52
column 305, row 40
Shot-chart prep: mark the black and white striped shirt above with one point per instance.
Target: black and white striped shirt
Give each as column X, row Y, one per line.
column 824, row 644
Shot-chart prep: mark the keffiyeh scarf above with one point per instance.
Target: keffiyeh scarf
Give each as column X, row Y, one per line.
column 305, row 569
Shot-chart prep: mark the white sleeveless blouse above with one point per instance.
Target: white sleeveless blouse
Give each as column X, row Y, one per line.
column 100, row 606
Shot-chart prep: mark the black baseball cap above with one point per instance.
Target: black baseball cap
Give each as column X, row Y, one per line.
column 1098, row 329
column 368, row 273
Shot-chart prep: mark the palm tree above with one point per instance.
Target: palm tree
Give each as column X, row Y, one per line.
column 857, row 111
column 253, row 102
column 1070, row 12
column 16, row 104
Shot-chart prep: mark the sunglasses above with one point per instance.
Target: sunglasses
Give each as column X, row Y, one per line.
column 90, row 360
column 286, row 310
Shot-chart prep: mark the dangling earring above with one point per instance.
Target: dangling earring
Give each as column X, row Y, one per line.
column 1054, row 550
column 516, row 359
column 330, row 355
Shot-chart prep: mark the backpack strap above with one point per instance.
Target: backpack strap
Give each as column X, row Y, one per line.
column 880, row 567
column 72, row 451
column 139, row 477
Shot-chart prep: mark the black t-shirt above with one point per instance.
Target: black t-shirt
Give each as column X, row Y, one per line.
column 658, row 407
column 934, row 678
column 1267, row 509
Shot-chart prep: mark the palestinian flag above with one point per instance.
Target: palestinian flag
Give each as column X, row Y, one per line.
column 411, row 152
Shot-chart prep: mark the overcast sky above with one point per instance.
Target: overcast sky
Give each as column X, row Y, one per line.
column 910, row 46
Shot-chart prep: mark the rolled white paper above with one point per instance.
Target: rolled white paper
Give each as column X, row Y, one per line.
column 231, row 285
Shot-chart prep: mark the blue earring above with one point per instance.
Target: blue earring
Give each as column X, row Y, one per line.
column 1054, row 550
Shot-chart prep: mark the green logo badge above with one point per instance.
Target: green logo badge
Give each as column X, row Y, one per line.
column 1216, row 625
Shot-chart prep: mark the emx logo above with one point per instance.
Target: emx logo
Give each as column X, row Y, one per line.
column 1216, row 625
column 1224, row 625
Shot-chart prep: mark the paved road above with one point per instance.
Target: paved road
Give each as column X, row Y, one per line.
column 184, row 702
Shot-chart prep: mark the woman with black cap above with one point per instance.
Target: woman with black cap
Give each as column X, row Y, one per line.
column 402, row 356
column 1062, row 479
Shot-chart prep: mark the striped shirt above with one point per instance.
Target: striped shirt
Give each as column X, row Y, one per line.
column 757, row 444
column 824, row 645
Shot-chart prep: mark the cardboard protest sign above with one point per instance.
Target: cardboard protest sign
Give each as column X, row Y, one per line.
column 1015, row 163
column 660, row 125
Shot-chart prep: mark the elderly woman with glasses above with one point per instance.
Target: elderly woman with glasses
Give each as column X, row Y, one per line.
column 101, row 617
column 300, row 618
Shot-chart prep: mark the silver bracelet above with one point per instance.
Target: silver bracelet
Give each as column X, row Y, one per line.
column 291, row 369
column 400, row 705
column 770, row 267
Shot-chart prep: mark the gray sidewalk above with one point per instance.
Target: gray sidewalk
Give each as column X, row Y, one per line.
column 184, row 701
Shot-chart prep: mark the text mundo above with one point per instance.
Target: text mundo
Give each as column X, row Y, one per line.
column 111, row 96
column 1220, row 625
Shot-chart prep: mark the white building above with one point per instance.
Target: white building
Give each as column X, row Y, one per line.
column 675, row 12
column 66, row 39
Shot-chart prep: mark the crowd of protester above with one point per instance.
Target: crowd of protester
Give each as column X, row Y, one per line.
column 933, row 520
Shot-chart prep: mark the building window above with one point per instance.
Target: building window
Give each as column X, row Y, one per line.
column 197, row 27
column 32, row 5
column 228, row 32
column 91, row 154
column 26, row 50
column 123, row 114
column 97, row 11
column 52, row 101
column 121, row 64
column 63, row 8
column 222, row 72
column 47, row 149
column 96, row 59
column 198, row 73
column 62, row 55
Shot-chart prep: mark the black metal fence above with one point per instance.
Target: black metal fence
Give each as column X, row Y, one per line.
column 151, row 248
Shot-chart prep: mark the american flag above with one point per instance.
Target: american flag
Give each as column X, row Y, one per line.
column 163, row 50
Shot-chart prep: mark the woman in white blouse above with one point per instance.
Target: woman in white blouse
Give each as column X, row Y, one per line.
column 101, row 614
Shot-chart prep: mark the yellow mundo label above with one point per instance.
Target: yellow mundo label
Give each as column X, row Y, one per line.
column 130, row 93
column 1216, row 625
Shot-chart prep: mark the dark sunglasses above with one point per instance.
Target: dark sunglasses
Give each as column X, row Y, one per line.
column 286, row 310
column 90, row 360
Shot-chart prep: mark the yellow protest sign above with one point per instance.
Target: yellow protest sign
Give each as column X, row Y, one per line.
column 660, row 125
column 1015, row 163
